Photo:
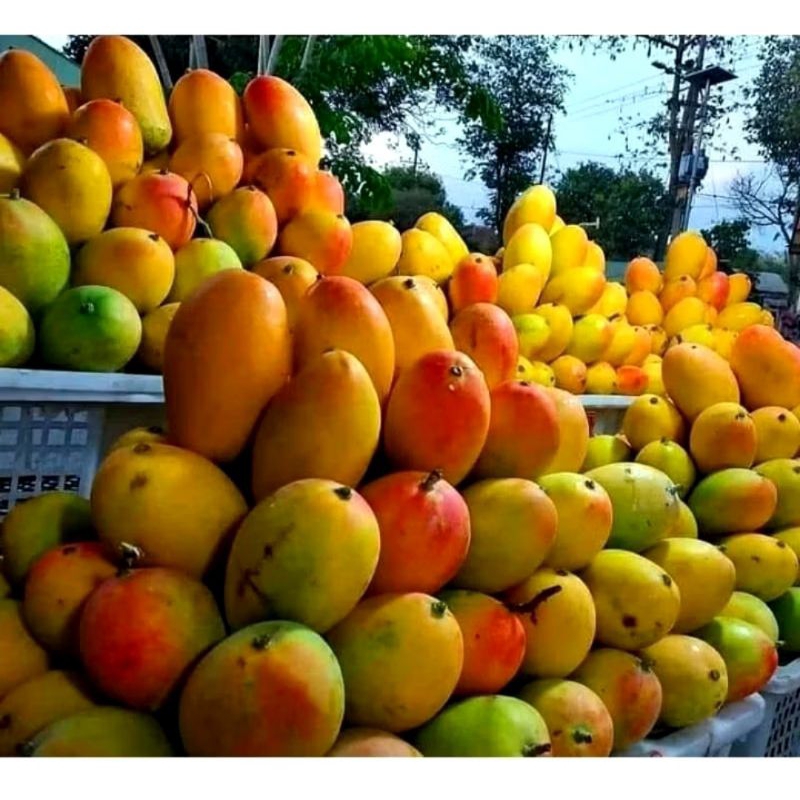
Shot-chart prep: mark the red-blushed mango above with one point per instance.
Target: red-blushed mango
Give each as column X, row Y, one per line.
column 116, row 68
column 139, row 497
column 423, row 254
column 71, row 183
column 765, row 566
column 573, row 426
column 723, row 436
column 202, row 102
column 733, row 501
column 650, row 418
column 245, row 219
column 579, row 723
column 711, row 263
column 341, row 313
column 695, row 378
column 524, row 434
column 279, row 116
column 570, row 374
column 494, row 641
column 327, row 193
column 136, row 262
column 375, row 251
column 474, row 280
column 34, row 106
column 12, row 164
column 140, row 633
column 767, row 367
column 549, row 603
column 705, row 577
column 750, row 657
column 629, row 690
column 417, row 324
column 693, row 678
column 56, row 590
column 439, row 226
column 536, row 204
column 371, row 743
column 631, row 381
column 301, row 431
column 22, row 657
column 425, row 531
column 740, row 288
column 686, row 255
column 271, row 689
column 642, row 275
column 161, row 202
column 288, row 178
column 38, row 703
column 322, row 238
column 292, row 276
column 438, row 416
column 113, row 133
column 714, row 290
column 777, row 433
column 513, row 525
column 676, row 290
column 485, row 333
column 378, row 646
column 198, row 260
column 749, row 608
column 305, row 553
column 212, row 163
column 234, row 325
column 585, row 516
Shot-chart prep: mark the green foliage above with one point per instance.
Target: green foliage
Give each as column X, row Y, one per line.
column 729, row 238
column 629, row 204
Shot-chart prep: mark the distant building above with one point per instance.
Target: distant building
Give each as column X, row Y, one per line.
column 770, row 289
column 66, row 70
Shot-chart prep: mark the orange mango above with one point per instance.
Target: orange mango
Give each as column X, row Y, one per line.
column 245, row 219
column 212, row 163
column 202, row 102
column 289, row 179
column 321, row 238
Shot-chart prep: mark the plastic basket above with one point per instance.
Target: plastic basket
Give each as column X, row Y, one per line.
column 56, row 426
column 778, row 735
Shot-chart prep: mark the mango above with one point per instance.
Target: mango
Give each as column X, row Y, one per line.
column 21, row 657
column 444, row 399
column 423, row 254
column 533, row 333
column 17, row 336
column 536, row 204
column 570, row 245
column 424, row 531
column 631, row 381
column 642, row 275
column 711, row 263
column 686, row 255
column 40, row 524
column 485, row 727
column 212, row 163
column 474, row 280
column 584, row 519
column 369, row 742
column 784, row 473
column 153, row 434
column 548, row 603
column 777, row 433
column 740, row 288
column 440, row 227
column 787, row 614
column 705, row 577
column 519, row 288
column 513, row 525
column 696, row 334
column 34, row 106
column 559, row 320
column 765, row 567
column 714, row 290
column 595, row 258
column 198, row 260
column 327, row 193
column 650, row 418
column 767, row 367
column 73, row 95
column 377, row 643
column 637, row 602
column 116, row 68
column 133, row 261
column 601, row 378
column 738, row 316
column 57, row 588
column 603, row 449
column 293, row 277
column 530, row 244
column 623, row 340
column 573, row 426
column 235, row 325
column 580, row 724
column 749, row 608
column 695, row 378
column 591, row 336
column 202, row 102
column 436, row 293
column 671, row 459
column 245, row 219
column 629, row 690
column 612, row 302
column 723, row 436
column 174, row 505
column 655, row 380
column 578, row 289
column 340, row 313
column 733, row 501
column 541, row 374
column 288, row 178
column 485, row 333
column 12, row 164
column 792, row 538
column 104, row 731
column 155, row 327
column 693, row 678
column 375, row 251
column 684, row 314
column 676, row 290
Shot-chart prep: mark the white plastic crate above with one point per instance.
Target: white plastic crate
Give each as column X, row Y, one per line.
column 778, row 735
column 56, row 426
column 605, row 412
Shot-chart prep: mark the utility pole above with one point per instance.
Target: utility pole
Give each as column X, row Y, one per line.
column 546, row 147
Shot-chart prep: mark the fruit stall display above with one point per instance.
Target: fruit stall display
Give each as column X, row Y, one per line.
column 376, row 522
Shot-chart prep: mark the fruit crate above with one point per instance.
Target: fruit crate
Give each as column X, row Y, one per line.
column 605, row 412
column 779, row 733
column 56, row 426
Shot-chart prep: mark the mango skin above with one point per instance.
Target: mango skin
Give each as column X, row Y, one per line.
column 116, row 68
column 245, row 219
column 175, row 505
column 787, row 614
column 765, row 566
column 377, row 645
column 104, row 731
column 203, row 102
column 374, row 253
column 749, row 608
column 306, row 553
column 785, row 474
column 21, row 657
column 369, row 742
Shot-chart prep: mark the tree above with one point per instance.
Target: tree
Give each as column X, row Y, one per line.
column 731, row 242
column 629, row 205
column 519, row 74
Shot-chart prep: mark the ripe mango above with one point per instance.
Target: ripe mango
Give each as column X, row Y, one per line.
column 570, row 245
column 21, row 657
column 749, row 608
column 321, row 238
column 715, row 289
column 440, row 227
column 288, row 178
column 686, row 255
column 671, row 459
column 642, row 275
column 570, row 374
column 17, row 336
column 377, row 645
column 375, row 251
column 474, row 280
column 153, row 434
column 777, row 433
column 301, row 431
column 202, row 102
column 595, row 258
column 155, row 327
column 605, row 449
column 650, row 418
column 173, row 504
column 327, row 194
column 631, row 380
column 573, row 425
column 198, row 260
column 767, row 367
column 536, row 204
column 369, row 742
column 784, row 473
column 212, row 163
column 723, row 436
column 530, row 244
column 12, row 164
column 740, row 288
column 559, row 320
column 684, row 314
column 591, row 336
column 293, row 277
column 738, row 316
column 117, row 69
column 423, row 254
column 578, row 289
column 519, row 288
column 612, row 302
column 787, row 614
column 623, row 339
column 533, row 333
column 676, row 290
column 245, row 219
column 792, row 537
column 765, row 566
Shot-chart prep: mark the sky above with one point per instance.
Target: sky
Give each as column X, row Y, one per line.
column 602, row 92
